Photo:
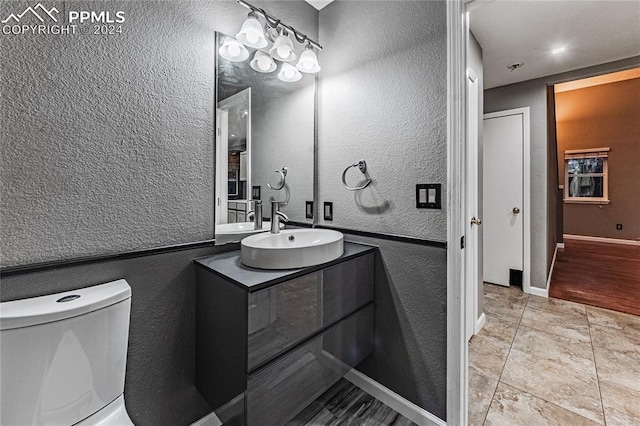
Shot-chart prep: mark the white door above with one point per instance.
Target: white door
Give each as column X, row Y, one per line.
column 505, row 140
column 472, row 247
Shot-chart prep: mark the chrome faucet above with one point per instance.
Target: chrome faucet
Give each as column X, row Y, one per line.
column 257, row 214
column 276, row 217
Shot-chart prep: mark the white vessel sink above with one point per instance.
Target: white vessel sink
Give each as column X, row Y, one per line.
column 235, row 232
column 293, row 248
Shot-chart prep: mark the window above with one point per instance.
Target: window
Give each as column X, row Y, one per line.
column 586, row 176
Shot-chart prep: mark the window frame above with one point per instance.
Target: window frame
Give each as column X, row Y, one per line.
column 588, row 153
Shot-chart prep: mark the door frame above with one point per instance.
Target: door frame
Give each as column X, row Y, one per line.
column 457, row 348
column 472, row 279
column 526, row 188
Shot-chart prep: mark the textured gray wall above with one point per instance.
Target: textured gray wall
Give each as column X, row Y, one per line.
column 382, row 98
column 107, row 141
column 160, row 378
column 533, row 94
column 410, row 355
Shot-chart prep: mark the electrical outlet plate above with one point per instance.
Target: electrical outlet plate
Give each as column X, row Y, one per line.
column 308, row 213
column 255, row 192
column 328, row 210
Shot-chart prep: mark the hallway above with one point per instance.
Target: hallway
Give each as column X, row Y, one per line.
column 544, row 361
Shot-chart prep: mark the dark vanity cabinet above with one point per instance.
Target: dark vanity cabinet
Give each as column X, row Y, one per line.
column 269, row 342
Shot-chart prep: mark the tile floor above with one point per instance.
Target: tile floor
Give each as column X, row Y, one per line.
column 540, row 361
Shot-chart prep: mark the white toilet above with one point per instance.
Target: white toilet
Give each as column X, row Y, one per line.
column 63, row 357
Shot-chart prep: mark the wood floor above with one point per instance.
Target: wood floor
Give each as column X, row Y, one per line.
column 598, row 274
column 345, row 404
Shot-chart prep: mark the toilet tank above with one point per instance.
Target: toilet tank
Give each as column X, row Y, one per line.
column 63, row 356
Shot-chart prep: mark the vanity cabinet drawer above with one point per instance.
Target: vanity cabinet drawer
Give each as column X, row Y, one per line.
column 346, row 287
column 282, row 316
column 276, row 393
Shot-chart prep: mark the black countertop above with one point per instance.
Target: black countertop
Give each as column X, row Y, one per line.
column 228, row 266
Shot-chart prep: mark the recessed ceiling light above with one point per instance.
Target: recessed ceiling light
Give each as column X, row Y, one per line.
column 559, row 50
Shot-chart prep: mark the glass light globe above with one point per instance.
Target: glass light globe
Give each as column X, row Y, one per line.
column 264, row 63
column 234, row 50
column 308, row 62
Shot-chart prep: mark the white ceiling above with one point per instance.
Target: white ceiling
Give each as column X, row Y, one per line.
column 318, row 4
column 514, row 31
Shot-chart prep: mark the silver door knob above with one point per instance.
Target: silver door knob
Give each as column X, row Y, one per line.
column 475, row 221
column 516, row 210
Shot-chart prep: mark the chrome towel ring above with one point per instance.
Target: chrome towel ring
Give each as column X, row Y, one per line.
column 283, row 177
column 362, row 165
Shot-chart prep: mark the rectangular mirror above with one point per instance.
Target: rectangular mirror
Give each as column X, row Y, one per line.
column 263, row 125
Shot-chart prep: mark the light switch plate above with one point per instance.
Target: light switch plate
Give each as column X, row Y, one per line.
column 429, row 196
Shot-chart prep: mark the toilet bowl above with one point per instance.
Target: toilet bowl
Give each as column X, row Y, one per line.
column 63, row 357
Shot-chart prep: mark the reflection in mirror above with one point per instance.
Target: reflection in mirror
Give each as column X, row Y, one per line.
column 263, row 124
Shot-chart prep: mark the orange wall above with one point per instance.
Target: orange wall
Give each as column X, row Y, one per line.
column 606, row 115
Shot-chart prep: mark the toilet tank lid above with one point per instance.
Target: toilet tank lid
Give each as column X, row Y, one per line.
column 59, row 306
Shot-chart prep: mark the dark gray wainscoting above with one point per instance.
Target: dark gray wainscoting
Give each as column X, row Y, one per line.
column 159, row 386
column 410, row 355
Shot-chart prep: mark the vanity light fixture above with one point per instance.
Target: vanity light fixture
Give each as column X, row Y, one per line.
column 262, row 62
column 251, row 34
column 308, row 61
column 233, row 51
column 289, row 73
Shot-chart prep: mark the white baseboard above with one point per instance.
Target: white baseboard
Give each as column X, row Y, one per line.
column 408, row 409
column 209, row 420
column 537, row 291
column 480, row 323
column 601, row 239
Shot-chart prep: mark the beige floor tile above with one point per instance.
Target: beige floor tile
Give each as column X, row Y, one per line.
column 563, row 386
column 613, row 319
column 621, row 404
column 506, row 303
column 619, row 367
column 614, row 339
column 568, row 324
column 487, row 355
column 561, row 350
column 556, row 305
column 512, row 406
column 481, row 390
column 499, row 329
column 614, row 330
